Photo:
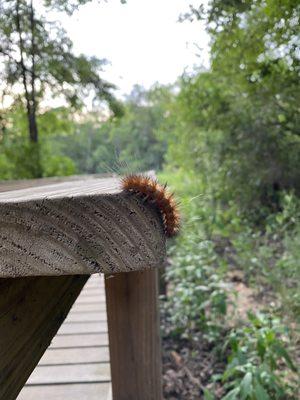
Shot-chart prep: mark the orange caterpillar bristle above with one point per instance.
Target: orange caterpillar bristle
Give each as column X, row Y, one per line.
column 157, row 194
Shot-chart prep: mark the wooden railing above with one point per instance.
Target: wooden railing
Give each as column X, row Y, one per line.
column 53, row 235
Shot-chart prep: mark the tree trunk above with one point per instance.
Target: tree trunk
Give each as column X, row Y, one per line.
column 33, row 129
column 27, row 73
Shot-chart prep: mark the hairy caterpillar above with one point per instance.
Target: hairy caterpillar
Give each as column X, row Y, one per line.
column 155, row 193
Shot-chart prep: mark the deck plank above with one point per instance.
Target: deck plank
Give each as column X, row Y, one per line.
column 91, row 299
column 77, row 327
column 83, row 308
column 69, row 341
column 67, row 374
column 75, row 356
column 87, row 317
column 91, row 391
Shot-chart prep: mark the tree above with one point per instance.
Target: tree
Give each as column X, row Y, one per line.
column 38, row 59
column 238, row 123
column 138, row 137
column 135, row 142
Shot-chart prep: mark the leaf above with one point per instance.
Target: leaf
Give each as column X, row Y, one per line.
column 261, row 348
column 208, row 395
column 246, row 385
column 281, row 351
column 260, row 392
column 230, row 370
column 270, row 336
column 232, row 395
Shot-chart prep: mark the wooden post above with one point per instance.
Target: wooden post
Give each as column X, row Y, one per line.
column 134, row 339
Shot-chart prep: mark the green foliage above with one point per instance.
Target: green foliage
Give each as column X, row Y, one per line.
column 56, row 165
column 271, row 259
column 5, row 167
column 23, row 159
column 234, row 150
column 260, row 364
column 136, row 136
column 238, row 123
column 199, row 296
column 255, row 365
column 89, row 146
column 37, row 59
column 92, row 145
column 130, row 143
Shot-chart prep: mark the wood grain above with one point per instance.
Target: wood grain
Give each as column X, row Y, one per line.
column 134, row 340
column 77, row 227
column 31, row 311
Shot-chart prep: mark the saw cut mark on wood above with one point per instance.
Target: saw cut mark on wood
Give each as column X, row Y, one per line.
column 77, row 227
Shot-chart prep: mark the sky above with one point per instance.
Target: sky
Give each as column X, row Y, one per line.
column 142, row 39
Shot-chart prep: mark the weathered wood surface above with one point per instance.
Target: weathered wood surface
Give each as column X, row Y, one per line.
column 77, row 227
column 74, row 356
column 68, row 374
column 5, row 186
column 134, row 339
column 87, row 317
column 75, row 366
column 76, row 391
column 31, row 311
column 80, row 340
column 93, row 327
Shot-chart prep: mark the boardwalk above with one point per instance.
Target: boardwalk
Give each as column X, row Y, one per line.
column 76, row 364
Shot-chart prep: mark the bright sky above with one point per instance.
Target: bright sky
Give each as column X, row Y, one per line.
column 142, row 39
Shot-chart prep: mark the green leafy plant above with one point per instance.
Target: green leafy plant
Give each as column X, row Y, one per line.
column 199, row 298
column 258, row 361
column 197, row 292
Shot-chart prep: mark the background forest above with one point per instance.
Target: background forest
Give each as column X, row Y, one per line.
column 226, row 139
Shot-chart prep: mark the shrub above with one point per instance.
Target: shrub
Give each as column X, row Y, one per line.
column 257, row 357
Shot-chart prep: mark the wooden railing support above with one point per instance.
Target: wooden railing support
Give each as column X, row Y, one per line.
column 134, row 339
column 31, row 312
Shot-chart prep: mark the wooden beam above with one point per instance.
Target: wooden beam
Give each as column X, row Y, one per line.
column 77, row 227
column 134, row 339
column 31, row 312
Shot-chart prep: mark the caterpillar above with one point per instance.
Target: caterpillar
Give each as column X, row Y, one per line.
column 158, row 195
